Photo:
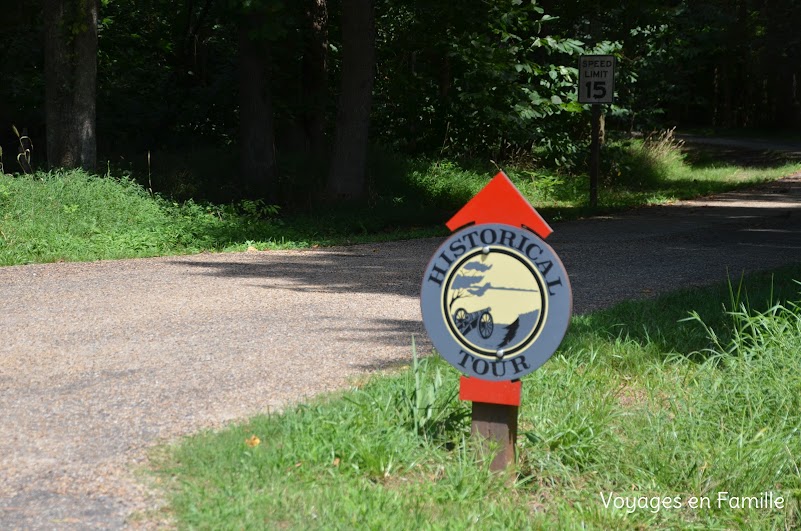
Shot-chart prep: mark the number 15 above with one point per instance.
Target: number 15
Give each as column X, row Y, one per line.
column 596, row 89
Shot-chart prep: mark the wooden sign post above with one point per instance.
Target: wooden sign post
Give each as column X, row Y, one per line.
column 496, row 302
column 494, row 415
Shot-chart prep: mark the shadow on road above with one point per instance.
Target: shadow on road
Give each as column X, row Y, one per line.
column 393, row 268
column 631, row 255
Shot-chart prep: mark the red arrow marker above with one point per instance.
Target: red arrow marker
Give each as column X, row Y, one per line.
column 500, row 202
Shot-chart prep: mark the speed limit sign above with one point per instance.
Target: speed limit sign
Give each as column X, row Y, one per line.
column 596, row 79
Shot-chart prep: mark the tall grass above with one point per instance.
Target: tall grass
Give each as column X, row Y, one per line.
column 646, row 164
column 72, row 215
column 709, row 406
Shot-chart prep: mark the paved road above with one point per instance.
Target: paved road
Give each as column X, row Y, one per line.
column 786, row 148
column 99, row 361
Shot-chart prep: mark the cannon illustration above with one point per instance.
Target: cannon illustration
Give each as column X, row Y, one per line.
column 467, row 321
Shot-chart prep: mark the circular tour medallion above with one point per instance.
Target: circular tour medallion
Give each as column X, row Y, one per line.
column 496, row 301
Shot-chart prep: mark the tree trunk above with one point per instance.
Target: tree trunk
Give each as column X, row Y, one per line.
column 347, row 176
column 71, row 82
column 257, row 155
column 315, row 76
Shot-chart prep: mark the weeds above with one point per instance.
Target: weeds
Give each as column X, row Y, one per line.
column 746, row 327
column 644, row 165
column 435, row 414
column 25, row 150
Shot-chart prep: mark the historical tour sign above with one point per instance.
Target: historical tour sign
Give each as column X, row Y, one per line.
column 496, row 303
column 596, row 79
column 496, row 299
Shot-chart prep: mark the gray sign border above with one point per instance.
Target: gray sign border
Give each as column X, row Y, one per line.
column 536, row 353
column 610, row 82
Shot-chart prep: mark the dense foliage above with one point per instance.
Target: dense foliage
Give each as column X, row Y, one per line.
column 483, row 79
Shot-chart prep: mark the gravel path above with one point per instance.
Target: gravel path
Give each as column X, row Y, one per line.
column 100, row 361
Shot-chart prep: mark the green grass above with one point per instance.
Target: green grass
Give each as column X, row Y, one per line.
column 72, row 216
column 75, row 216
column 639, row 401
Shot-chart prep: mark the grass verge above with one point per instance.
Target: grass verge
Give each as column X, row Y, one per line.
column 73, row 216
column 691, row 395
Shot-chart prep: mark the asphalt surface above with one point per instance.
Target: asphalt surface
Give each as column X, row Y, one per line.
column 100, row 361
